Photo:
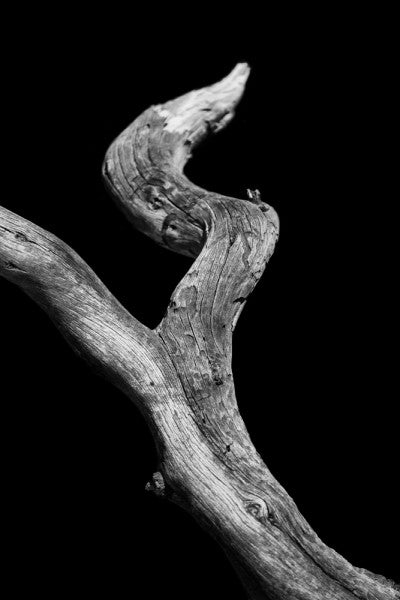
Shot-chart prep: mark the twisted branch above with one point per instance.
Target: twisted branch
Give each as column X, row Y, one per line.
column 180, row 374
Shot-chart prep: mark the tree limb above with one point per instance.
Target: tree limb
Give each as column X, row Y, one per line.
column 93, row 322
column 144, row 171
column 180, row 374
column 143, row 167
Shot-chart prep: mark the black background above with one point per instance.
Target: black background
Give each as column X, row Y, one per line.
column 314, row 359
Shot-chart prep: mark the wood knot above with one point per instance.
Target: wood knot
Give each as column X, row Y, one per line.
column 218, row 380
column 21, row 237
column 156, row 484
column 173, row 305
column 254, row 508
column 174, row 228
column 259, row 510
column 10, row 265
column 155, row 202
column 227, row 448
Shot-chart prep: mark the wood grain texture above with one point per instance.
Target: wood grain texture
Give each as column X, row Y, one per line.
column 180, row 374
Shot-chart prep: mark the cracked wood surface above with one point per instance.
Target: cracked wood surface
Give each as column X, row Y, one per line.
column 180, row 374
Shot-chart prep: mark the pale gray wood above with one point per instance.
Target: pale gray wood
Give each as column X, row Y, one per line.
column 180, row 374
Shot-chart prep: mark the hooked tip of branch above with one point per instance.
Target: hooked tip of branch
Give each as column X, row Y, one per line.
column 210, row 108
column 232, row 86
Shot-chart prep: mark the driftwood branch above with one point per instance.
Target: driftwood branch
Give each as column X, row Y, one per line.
column 91, row 319
column 180, row 374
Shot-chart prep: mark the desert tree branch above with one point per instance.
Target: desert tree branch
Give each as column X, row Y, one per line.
column 180, row 374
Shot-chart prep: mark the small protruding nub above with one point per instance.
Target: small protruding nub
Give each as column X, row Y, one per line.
column 156, row 484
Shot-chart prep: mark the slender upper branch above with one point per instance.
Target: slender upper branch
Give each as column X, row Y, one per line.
column 143, row 166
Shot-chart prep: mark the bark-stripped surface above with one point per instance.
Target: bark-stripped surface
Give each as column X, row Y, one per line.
column 180, row 374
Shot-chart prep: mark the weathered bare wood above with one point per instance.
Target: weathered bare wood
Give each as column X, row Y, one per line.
column 180, row 374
